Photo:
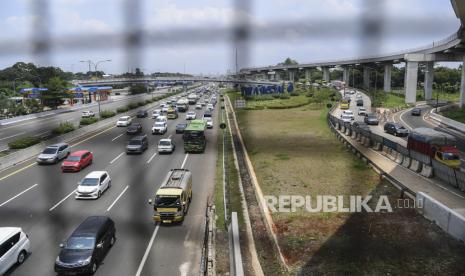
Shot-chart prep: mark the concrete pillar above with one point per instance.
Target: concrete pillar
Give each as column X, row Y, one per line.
column 292, row 75
column 387, row 77
column 429, row 78
column 462, row 86
column 326, row 74
column 308, row 76
column 366, row 77
column 345, row 75
column 411, row 81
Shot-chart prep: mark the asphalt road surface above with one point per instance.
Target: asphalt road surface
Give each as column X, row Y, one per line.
column 40, row 199
column 41, row 127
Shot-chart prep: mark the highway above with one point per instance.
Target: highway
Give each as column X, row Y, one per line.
column 41, row 127
column 40, row 199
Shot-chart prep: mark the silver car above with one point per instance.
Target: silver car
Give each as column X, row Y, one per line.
column 54, row 153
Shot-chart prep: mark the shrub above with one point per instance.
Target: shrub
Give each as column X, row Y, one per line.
column 132, row 105
column 293, row 94
column 122, row 109
column 107, row 114
column 284, row 96
column 148, row 101
column 63, row 128
column 141, row 103
column 23, row 143
column 88, row 121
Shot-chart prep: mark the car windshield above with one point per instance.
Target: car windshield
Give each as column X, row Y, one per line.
column 450, row 156
column 207, row 115
column 89, row 182
column 346, row 117
column 73, row 158
column 164, row 143
column 160, row 124
column 134, row 142
column 181, row 125
column 167, row 201
column 191, row 113
column 123, row 119
column 50, row 151
column 82, row 243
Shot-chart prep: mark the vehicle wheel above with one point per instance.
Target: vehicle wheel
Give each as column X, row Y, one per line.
column 94, row 268
column 99, row 194
column 112, row 241
column 21, row 257
column 109, row 184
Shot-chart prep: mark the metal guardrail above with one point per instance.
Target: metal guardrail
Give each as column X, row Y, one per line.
column 208, row 263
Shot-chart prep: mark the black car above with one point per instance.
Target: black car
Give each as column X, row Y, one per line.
column 180, row 127
column 142, row 114
column 415, row 112
column 395, row 129
column 371, row 119
column 134, row 128
column 87, row 246
column 359, row 102
column 137, row 144
column 361, row 125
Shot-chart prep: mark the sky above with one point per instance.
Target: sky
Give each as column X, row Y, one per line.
column 196, row 36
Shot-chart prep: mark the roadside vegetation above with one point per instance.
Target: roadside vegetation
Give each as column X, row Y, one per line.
column 24, row 142
column 88, row 121
column 63, row 128
column 105, row 114
column 294, row 153
column 456, row 113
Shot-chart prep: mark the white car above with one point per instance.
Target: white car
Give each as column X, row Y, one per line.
column 348, row 113
column 191, row 115
column 362, row 111
column 124, row 121
column 166, row 145
column 156, row 113
column 164, row 109
column 53, row 153
column 14, row 247
column 210, row 107
column 346, row 118
column 87, row 114
column 162, row 118
column 159, row 128
column 209, row 122
column 93, row 185
column 198, row 106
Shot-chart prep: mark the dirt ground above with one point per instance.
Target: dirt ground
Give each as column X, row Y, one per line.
column 294, row 153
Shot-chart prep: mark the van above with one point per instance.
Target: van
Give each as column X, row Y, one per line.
column 173, row 198
column 87, row 246
column 14, row 247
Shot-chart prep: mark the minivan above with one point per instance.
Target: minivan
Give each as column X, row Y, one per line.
column 14, row 247
column 87, row 246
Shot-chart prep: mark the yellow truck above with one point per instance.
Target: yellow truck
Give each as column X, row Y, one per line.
column 172, row 199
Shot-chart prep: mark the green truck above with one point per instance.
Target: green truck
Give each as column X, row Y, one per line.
column 194, row 136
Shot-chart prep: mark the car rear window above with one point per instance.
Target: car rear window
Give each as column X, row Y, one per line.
column 50, row 150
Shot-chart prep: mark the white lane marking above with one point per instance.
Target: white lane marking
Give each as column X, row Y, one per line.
column 11, row 136
column 184, row 162
column 18, row 195
column 170, row 136
column 116, row 158
column 147, row 251
column 150, row 159
column 61, row 201
column 404, row 123
column 117, row 137
column 120, row 195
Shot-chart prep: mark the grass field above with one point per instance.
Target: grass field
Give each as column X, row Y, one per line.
column 294, row 153
column 455, row 114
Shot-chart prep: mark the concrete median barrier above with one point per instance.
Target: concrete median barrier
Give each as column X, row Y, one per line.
column 367, row 142
column 460, row 180
column 406, row 162
column 400, row 158
column 426, row 171
column 377, row 146
column 446, row 218
column 415, row 165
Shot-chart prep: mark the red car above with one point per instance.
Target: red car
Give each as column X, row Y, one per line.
column 77, row 161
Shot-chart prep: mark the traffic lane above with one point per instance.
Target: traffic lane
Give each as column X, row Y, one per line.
column 177, row 249
column 81, row 209
column 43, row 126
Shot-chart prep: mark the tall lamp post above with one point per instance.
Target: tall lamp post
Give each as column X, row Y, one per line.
column 90, row 63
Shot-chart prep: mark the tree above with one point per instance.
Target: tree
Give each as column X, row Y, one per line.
column 137, row 89
column 139, row 73
column 288, row 61
column 53, row 96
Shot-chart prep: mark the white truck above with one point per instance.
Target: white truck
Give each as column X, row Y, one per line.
column 192, row 98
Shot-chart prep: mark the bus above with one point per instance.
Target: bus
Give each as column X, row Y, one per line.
column 194, row 136
column 345, row 104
